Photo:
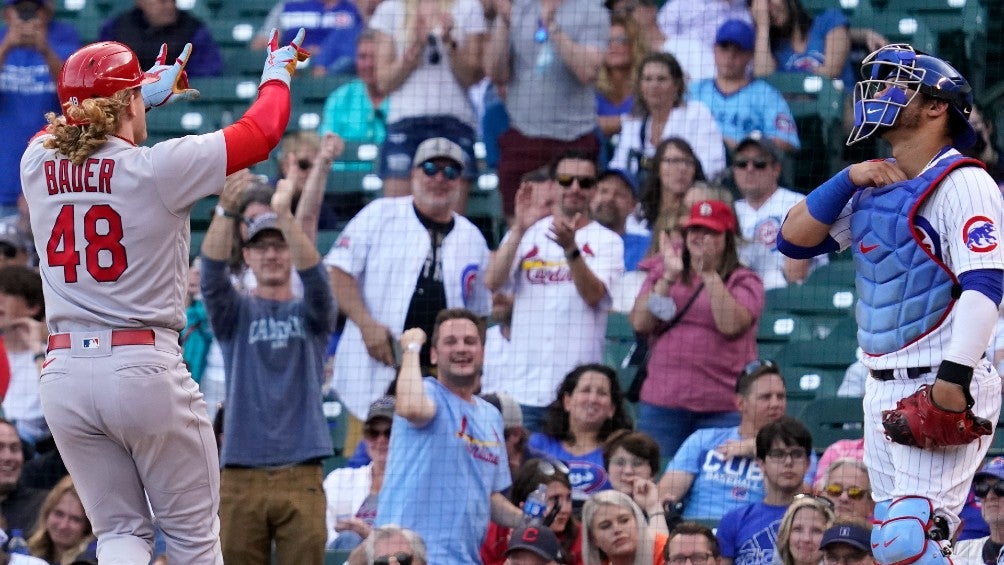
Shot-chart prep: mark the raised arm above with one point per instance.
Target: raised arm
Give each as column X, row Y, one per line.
column 413, row 404
column 497, row 57
column 308, row 210
column 583, row 60
column 301, row 249
column 392, row 70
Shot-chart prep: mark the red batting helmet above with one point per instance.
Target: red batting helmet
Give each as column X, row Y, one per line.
column 99, row 70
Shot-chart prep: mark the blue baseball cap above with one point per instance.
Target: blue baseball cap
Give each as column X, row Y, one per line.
column 992, row 468
column 738, row 32
column 850, row 534
column 625, row 176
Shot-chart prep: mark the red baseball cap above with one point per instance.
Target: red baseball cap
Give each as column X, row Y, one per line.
column 712, row 214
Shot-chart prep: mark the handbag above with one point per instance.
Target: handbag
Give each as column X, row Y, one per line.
column 633, row 393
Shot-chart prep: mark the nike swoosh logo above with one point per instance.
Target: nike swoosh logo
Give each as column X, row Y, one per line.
column 866, row 248
column 888, row 543
column 874, row 110
column 47, row 361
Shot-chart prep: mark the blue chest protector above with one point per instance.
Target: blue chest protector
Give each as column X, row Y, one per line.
column 904, row 288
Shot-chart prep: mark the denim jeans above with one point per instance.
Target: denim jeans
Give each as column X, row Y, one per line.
column 669, row 427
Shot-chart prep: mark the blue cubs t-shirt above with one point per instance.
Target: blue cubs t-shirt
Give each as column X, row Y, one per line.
column 748, row 535
column 585, row 472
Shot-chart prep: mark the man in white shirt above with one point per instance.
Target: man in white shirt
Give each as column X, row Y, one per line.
column 756, row 165
column 22, row 312
column 561, row 269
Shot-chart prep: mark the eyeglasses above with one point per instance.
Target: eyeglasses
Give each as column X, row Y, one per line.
column 8, row 250
column 374, row 433
column 766, row 365
column 304, row 164
column 983, row 488
column 585, row 183
column 434, row 55
column 694, row 558
column 400, row 557
column 451, row 172
column 848, row 559
column 686, row 162
column 853, row 492
column 618, row 40
column 795, row 454
column 628, row 462
column 743, row 163
column 826, row 503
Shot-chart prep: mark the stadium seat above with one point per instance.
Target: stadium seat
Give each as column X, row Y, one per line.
column 336, row 556
column 197, row 8
column 202, row 213
column 238, row 60
column 180, row 119
column 811, row 382
column 781, row 327
column 484, row 209
column 86, row 15
column 254, row 9
column 349, row 182
column 833, row 419
column 313, row 91
column 897, row 27
column 197, row 237
column 231, row 91
column 233, row 32
column 820, row 300
column 834, row 273
column 338, row 422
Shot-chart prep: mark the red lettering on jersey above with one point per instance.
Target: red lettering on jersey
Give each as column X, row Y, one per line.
column 105, row 172
column 88, row 172
column 50, row 177
column 77, row 178
column 64, row 176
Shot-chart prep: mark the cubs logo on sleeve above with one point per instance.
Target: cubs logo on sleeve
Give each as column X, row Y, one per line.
column 979, row 234
column 468, row 278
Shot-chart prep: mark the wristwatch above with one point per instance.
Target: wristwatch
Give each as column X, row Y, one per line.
column 221, row 211
column 573, row 255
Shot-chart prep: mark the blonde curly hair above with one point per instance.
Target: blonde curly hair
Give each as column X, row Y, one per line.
column 101, row 117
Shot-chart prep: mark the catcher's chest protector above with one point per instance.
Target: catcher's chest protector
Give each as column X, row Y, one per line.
column 904, row 288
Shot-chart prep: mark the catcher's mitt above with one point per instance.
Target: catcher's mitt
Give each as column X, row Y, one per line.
column 918, row 422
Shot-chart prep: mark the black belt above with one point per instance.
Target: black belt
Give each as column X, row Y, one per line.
column 890, row 374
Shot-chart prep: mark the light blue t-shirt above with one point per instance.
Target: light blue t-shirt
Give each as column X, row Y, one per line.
column 720, row 484
column 440, row 476
column 585, row 472
column 748, row 535
column 815, row 48
column 757, row 106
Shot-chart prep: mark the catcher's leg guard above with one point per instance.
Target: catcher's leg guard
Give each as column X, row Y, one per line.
column 906, row 532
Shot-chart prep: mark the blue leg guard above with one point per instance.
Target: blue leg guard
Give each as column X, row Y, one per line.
column 902, row 533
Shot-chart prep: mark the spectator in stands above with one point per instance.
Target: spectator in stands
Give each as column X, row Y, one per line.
column 974, row 525
column 588, row 408
column 396, row 265
column 561, row 268
column 352, row 492
column 391, row 542
column 643, row 14
column 715, row 469
column 616, row 199
column 689, row 31
column 788, row 39
column 617, row 531
column 516, row 436
column 615, row 83
column 662, row 111
column 985, row 149
column 270, row 491
column 428, row 54
column 739, row 103
column 46, row 468
column 988, row 486
column 498, row 346
column 565, row 527
column 18, row 504
column 32, row 49
column 357, row 110
column 848, row 542
column 694, row 542
column 63, row 533
column 446, row 436
column 756, row 167
column 548, row 56
column 704, row 191
column 16, row 244
column 152, row 23
column 840, row 449
column 846, row 485
column 197, row 337
column 336, row 20
column 801, row 531
column 531, row 545
column 747, row 534
column 22, row 323
column 673, row 170
column 699, row 306
column 632, row 462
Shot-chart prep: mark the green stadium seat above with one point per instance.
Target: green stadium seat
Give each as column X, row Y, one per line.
column 484, row 208
column 240, row 61
column 338, row 422
column 811, row 382
column 325, row 239
column 255, row 9
column 202, row 213
column 833, row 419
column 314, row 91
column 898, row 27
column 834, row 273
column 361, row 153
column 349, row 182
column 180, row 119
column 197, row 8
column 197, row 237
column 234, row 32
column 231, row 91
column 832, row 301
column 336, row 556
column 781, row 327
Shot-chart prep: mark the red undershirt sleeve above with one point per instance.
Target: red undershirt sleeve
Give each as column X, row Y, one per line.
column 250, row 139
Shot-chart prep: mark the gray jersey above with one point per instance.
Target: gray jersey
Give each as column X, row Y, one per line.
column 113, row 235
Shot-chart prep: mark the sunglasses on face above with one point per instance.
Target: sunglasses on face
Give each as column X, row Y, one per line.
column 374, row 433
column 743, row 163
column 585, row 183
column 759, row 365
column 451, row 172
column 401, row 557
column 304, row 164
column 837, row 489
column 984, row 488
column 825, row 503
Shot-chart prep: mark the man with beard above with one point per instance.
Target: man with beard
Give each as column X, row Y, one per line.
column 447, row 464
column 616, row 199
column 18, row 504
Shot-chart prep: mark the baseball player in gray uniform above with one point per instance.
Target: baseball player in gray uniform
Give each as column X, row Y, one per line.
column 923, row 228
column 111, row 226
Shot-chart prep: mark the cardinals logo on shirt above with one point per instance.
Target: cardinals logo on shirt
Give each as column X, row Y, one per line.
column 979, row 234
column 541, row 271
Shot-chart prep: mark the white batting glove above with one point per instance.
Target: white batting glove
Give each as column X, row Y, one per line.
column 281, row 61
column 173, row 83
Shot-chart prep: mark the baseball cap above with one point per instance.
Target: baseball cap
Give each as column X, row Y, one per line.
column 764, row 143
column 9, row 235
column 851, row 534
column 738, row 32
column 261, row 223
column 712, row 214
column 992, row 468
column 382, row 407
column 439, row 147
column 627, row 177
column 512, row 414
column 541, row 541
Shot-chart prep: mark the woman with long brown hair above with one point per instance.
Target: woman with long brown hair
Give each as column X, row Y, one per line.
column 63, row 532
